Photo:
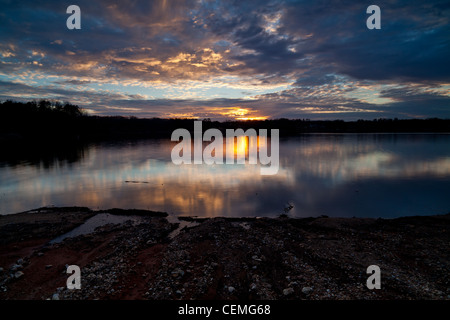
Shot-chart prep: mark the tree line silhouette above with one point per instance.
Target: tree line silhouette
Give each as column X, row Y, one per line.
column 53, row 121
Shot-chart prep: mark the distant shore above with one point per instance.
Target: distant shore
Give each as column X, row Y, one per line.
column 56, row 124
column 157, row 257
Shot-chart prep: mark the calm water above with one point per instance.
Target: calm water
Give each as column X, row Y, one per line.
column 365, row 175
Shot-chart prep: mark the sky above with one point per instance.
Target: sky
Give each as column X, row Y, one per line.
column 230, row 59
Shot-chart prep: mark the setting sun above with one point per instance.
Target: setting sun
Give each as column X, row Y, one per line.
column 251, row 118
column 238, row 113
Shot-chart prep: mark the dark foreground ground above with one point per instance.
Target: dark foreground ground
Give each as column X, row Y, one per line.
column 220, row 258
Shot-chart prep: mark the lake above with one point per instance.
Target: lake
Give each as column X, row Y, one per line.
column 338, row 175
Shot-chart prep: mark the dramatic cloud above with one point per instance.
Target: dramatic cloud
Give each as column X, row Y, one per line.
column 230, row 59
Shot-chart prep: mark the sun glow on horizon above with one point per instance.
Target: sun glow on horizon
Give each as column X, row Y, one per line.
column 239, row 113
column 219, row 113
column 252, row 118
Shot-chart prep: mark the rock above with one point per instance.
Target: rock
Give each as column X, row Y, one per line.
column 48, row 266
column 20, row 261
column 1, row 269
column 307, row 290
column 55, row 296
column 288, row 291
column 231, row 289
column 18, row 274
column 16, row 267
column 40, row 254
column 177, row 273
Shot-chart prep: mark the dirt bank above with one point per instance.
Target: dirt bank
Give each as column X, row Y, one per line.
column 224, row 258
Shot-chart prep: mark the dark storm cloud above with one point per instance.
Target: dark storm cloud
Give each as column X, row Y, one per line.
column 322, row 48
column 413, row 42
column 24, row 92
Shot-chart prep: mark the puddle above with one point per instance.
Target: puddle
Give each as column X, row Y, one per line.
column 102, row 219
column 98, row 220
column 182, row 224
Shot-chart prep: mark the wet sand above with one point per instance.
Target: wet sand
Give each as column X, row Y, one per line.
column 157, row 258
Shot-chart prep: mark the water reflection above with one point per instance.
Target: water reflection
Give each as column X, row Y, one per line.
column 378, row 175
column 44, row 156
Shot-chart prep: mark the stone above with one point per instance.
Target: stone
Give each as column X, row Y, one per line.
column 48, row 266
column 55, row 296
column 16, row 267
column 307, row 290
column 18, row 274
column 177, row 273
column 288, row 291
column 231, row 289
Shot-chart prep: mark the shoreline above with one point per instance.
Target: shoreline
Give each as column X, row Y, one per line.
column 159, row 258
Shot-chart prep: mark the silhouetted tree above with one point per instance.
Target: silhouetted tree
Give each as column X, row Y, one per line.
column 47, row 120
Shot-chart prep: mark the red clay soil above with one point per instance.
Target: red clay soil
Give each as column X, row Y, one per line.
column 220, row 258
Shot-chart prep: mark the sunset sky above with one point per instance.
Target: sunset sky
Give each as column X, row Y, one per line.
column 230, row 59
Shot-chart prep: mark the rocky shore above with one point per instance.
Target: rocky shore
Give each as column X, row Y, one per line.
column 153, row 256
